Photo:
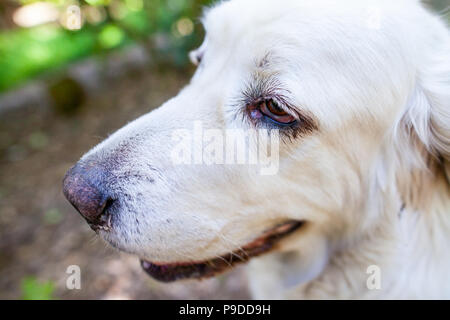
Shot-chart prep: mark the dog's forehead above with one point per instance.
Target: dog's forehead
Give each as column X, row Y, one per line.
column 228, row 19
column 231, row 19
column 303, row 32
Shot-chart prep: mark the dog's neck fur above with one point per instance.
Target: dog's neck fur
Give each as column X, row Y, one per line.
column 406, row 237
column 409, row 243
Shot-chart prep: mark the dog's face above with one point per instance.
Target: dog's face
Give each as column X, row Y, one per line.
column 317, row 72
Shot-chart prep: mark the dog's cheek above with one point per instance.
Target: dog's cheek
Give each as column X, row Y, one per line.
column 304, row 265
column 301, row 259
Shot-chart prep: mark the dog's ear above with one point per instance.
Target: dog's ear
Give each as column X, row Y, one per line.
column 425, row 123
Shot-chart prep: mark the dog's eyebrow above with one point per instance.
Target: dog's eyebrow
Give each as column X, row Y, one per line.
column 264, row 81
column 264, row 62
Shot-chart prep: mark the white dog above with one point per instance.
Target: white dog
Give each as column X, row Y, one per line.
column 359, row 92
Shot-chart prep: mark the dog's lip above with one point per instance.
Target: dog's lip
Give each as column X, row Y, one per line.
column 168, row 272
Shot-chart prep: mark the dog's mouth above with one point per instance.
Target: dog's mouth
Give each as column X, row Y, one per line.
column 168, row 272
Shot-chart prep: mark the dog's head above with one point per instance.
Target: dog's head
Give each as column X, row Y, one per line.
column 327, row 87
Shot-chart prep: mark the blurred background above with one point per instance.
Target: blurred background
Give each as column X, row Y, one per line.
column 71, row 72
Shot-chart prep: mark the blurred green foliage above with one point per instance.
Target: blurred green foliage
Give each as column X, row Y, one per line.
column 38, row 140
column 27, row 52
column 33, row 289
column 53, row 216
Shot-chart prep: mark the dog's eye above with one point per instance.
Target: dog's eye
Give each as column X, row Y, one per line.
column 270, row 109
column 196, row 57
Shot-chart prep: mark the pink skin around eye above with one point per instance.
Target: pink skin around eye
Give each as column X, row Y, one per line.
column 255, row 114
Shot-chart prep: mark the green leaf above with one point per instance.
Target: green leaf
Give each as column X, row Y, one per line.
column 111, row 36
column 32, row 289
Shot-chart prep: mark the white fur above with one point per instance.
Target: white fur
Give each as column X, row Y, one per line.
column 367, row 181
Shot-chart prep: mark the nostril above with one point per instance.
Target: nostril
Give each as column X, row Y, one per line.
column 105, row 215
column 103, row 207
column 103, row 220
column 109, row 203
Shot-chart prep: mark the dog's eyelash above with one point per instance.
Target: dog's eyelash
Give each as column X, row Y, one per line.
column 259, row 91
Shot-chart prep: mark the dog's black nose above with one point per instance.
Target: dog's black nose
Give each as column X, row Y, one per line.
column 82, row 186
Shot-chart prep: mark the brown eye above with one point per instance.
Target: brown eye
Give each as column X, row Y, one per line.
column 272, row 110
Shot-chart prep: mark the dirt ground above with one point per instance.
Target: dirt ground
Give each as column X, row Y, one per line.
column 41, row 234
